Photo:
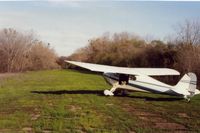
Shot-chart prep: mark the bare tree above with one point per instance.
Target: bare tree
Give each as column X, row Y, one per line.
column 16, row 50
column 188, row 32
column 14, row 47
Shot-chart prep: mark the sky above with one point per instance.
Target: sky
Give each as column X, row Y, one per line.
column 68, row 26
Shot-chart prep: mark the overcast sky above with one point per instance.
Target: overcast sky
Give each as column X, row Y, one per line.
column 69, row 25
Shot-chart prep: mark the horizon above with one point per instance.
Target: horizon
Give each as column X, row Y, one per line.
column 68, row 26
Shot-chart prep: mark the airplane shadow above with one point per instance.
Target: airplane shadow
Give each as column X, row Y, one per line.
column 100, row 93
column 60, row 92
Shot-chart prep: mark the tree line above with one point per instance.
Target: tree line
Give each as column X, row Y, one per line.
column 182, row 52
column 23, row 51
column 20, row 51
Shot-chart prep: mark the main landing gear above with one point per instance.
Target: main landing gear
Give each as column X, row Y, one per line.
column 116, row 89
column 122, row 82
column 111, row 91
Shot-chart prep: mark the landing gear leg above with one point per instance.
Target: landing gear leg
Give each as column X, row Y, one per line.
column 111, row 91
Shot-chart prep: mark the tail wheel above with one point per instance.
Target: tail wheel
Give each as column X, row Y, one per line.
column 187, row 98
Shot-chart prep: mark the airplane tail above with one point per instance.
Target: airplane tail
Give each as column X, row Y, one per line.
column 188, row 83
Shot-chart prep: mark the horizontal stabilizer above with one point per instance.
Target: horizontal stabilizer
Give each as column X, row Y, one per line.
column 125, row 70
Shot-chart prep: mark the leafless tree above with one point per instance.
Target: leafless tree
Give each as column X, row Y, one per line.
column 188, row 32
column 16, row 48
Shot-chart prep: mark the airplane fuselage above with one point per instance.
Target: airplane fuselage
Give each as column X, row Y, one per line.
column 148, row 85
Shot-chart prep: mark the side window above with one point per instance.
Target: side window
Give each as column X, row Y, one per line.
column 123, row 79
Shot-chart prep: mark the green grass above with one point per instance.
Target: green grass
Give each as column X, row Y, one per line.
column 72, row 101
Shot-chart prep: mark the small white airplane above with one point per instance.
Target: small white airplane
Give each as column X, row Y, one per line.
column 120, row 78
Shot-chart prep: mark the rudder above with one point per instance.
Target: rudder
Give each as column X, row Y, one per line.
column 193, row 83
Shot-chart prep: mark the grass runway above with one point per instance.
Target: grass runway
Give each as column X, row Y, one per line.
column 73, row 102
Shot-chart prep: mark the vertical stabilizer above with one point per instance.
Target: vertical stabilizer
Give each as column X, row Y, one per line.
column 187, row 85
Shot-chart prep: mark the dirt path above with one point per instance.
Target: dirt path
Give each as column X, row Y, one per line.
column 6, row 75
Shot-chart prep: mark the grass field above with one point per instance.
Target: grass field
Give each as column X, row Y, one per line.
column 72, row 101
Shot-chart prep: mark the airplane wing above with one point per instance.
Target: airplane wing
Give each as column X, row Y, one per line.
column 125, row 70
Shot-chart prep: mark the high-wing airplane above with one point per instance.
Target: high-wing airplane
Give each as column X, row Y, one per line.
column 138, row 79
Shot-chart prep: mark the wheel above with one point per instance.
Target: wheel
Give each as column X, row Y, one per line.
column 188, row 100
column 121, row 92
column 108, row 93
